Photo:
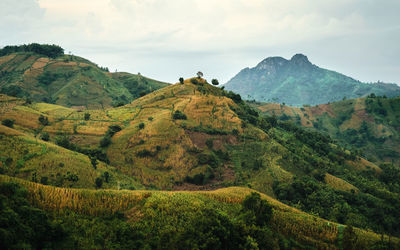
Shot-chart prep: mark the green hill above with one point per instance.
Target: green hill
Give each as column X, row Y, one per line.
column 193, row 136
column 40, row 74
column 223, row 219
column 297, row 81
column 370, row 125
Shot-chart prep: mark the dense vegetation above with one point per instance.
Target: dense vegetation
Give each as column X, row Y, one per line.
column 171, row 224
column 297, row 82
column 52, row 51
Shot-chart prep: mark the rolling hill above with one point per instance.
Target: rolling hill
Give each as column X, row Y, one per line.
column 81, row 219
column 370, row 125
column 66, row 79
column 297, row 81
column 193, row 136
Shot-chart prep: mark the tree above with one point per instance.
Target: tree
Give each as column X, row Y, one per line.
column 43, row 120
column 8, row 123
column 99, row 182
column 254, row 206
column 87, row 116
column 141, row 125
column 214, row 82
column 199, row 74
column 45, row 136
column 178, row 115
column 93, row 160
column 106, row 176
column 181, row 80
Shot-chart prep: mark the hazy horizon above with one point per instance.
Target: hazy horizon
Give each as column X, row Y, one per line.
column 168, row 39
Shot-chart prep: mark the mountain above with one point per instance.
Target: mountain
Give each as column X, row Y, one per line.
column 192, row 136
column 297, row 81
column 40, row 74
column 370, row 125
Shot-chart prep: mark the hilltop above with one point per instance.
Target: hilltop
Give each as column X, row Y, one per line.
column 193, row 136
column 43, row 73
column 297, row 81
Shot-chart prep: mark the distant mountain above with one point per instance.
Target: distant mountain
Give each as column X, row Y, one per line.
column 297, row 81
column 43, row 73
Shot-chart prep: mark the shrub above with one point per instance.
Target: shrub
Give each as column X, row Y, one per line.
column 141, row 125
column 144, row 153
column 8, row 123
column 178, row 115
column 106, row 176
column 105, row 141
column 87, row 116
column 44, row 180
column 99, row 182
column 214, row 82
column 210, row 143
column 257, row 208
column 194, row 81
column 43, row 120
column 45, row 136
column 181, row 80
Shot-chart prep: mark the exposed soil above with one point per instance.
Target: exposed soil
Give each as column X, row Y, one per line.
column 199, row 139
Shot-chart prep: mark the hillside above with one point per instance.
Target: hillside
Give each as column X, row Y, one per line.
column 67, row 80
column 220, row 219
column 370, row 125
column 193, row 136
column 297, row 81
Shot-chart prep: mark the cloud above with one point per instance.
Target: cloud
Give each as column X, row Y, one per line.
column 160, row 37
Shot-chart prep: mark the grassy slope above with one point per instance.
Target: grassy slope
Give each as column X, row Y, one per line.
column 290, row 222
column 381, row 141
column 74, row 81
column 174, row 146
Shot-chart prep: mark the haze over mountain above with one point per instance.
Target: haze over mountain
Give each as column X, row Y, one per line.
column 297, row 81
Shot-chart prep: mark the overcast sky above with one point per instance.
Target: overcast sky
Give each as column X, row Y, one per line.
column 166, row 39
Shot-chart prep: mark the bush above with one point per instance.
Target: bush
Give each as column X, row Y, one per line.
column 257, row 208
column 45, row 136
column 44, row 180
column 8, row 123
column 106, row 176
column 105, row 141
column 210, row 143
column 87, row 116
column 178, row 115
column 141, row 125
column 99, row 182
column 43, row 120
column 194, row 81
column 181, row 80
column 214, row 82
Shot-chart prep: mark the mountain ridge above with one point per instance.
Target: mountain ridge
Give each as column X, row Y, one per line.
column 297, row 81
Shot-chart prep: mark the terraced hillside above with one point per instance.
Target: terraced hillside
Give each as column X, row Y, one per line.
column 69, row 81
column 370, row 124
column 193, row 136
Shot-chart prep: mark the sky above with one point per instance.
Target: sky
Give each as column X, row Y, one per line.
column 167, row 39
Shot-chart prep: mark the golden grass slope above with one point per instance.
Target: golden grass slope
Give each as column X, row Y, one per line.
column 30, row 158
column 286, row 220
